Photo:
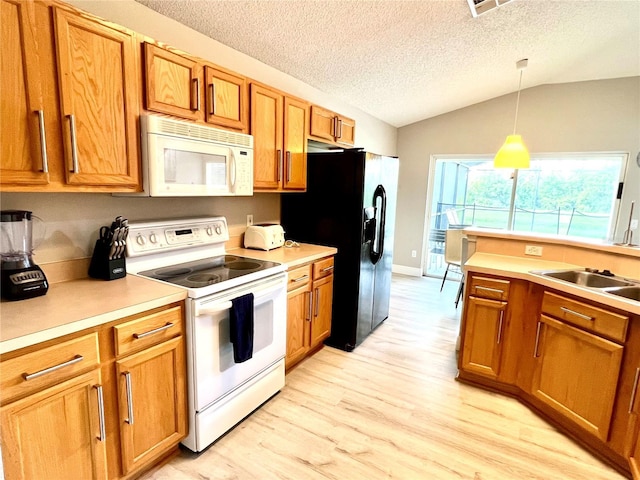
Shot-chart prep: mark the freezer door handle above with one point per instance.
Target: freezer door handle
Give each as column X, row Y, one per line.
column 377, row 246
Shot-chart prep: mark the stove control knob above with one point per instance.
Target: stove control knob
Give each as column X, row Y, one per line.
column 153, row 238
column 218, row 229
column 209, row 231
column 140, row 240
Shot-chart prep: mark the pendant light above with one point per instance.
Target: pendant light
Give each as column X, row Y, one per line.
column 513, row 153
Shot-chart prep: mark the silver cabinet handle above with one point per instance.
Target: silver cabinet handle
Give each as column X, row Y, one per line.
column 309, row 310
column 288, row 166
column 31, row 376
column 334, row 127
column 196, row 81
column 577, row 314
column 151, row 332
column 500, row 327
column 103, row 429
column 74, row 144
column 317, row 295
column 327, row 269
column 43, row 142
column 634, row 390
column 487, row 289
column 535, row 349
column 339, row 128
column 279, row 165
column 127, row 380
column 300, row 279
column 212, row 99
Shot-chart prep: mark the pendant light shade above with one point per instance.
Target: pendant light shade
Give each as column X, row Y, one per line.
column 514, row 154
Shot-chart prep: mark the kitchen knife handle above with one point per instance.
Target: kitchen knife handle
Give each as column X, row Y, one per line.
column 151, row 332
column 127, row 381
column 31, row 376
column 212, row 99
column 103, row 430
column 535, row 348
column 43, row 142
column 74, row 144
column 279, row 165
column 634, row 390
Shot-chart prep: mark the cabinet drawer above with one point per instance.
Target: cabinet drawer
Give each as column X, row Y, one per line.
column 590, row 318
column 299, row 277
column 31, row 372
column 323, row 268
column 492, row 288
column 148, row 330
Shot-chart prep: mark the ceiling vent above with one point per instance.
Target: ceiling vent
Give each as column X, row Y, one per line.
column 478, row 7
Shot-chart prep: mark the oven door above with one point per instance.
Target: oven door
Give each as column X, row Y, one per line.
column 214, row 372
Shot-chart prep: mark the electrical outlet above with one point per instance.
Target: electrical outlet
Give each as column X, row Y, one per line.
column 249, row 220
column 414, row 254
column 634, row 224
column 533, row 250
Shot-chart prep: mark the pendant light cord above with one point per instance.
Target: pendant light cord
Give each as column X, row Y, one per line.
column 515, row 122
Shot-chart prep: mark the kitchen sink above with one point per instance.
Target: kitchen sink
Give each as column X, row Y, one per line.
column 585, row 278
column 632, row 292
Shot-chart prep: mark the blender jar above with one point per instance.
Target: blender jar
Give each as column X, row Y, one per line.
column 16, row 239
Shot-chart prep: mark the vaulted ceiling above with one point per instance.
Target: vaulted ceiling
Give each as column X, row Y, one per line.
column 404, row 61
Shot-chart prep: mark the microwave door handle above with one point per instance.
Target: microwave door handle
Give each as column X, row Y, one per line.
column 218, row 307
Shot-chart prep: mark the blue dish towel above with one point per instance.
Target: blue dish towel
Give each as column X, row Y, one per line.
column 241, row 327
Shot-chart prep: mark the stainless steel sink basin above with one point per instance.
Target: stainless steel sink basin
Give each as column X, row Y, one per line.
column 585, row 279
column 632, row 292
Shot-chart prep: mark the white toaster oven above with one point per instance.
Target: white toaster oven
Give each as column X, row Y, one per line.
column 264, row 236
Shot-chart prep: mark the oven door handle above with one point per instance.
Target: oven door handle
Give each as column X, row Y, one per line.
column 207, row 310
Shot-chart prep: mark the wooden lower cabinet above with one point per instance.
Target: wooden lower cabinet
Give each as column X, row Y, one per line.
column 309, row 307
column 576, row 374
column 56, row 431
column 634, row 460
column 85, row 411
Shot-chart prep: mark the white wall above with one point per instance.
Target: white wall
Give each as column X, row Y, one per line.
column 72, row 220
column 574, row 117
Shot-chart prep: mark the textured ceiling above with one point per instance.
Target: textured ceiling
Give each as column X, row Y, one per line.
column 404, row 61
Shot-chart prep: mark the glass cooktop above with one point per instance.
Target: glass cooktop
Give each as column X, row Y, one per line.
column 201, row 273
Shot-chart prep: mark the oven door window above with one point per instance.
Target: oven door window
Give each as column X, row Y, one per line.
column 215, row 370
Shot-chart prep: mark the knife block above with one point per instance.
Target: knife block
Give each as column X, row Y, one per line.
column 104, row 268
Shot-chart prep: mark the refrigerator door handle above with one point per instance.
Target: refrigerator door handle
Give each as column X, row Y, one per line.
column 377, row 246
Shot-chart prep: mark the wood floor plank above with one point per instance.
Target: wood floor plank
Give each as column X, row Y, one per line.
column 391, row 409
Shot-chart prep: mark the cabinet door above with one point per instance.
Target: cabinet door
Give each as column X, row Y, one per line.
column 57, row 433
column 634, row 461
column 484, row 331
column 346, row 131
column 322, row 123
column 99, row 101
column 22, row 130
column 296, row 121
column 151, row 397
column 322, row 305
column 267, row 130
column 298, row 319
column 576, row 374
column 172, row 83
column 226, row 96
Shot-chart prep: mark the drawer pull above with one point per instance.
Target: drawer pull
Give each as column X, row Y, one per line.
column 577, row 314
column 500, row 327
column 103, row 430
column 31, row 376
column 300, row 279
column 487, row 289
column 327, row 269
column 634, row 390
column 535, row 349
column 151, row 332
column 127, row 381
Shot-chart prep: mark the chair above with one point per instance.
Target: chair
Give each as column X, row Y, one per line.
column 452, row 250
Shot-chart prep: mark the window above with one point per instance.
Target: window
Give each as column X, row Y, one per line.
column 562, row 194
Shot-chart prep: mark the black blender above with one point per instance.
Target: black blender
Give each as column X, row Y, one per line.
column 21, row 278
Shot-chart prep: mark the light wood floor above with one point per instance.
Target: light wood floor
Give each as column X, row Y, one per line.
column 391, row 409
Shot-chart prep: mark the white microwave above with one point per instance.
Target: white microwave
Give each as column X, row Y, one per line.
column 183, row 159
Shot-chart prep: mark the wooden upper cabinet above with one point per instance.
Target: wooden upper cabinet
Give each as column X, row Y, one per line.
column 296, row 121
column 172, row 83
column 332, row 127
column 226, row 99
column 267, row 130
column 99, row 101
column 23, row 155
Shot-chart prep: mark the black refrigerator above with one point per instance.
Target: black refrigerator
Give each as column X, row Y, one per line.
column 350, row 204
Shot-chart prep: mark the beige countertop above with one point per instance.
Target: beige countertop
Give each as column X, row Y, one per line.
column 519, row 267
column 72, row 306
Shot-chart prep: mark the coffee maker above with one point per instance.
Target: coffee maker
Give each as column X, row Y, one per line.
column 21, row 277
